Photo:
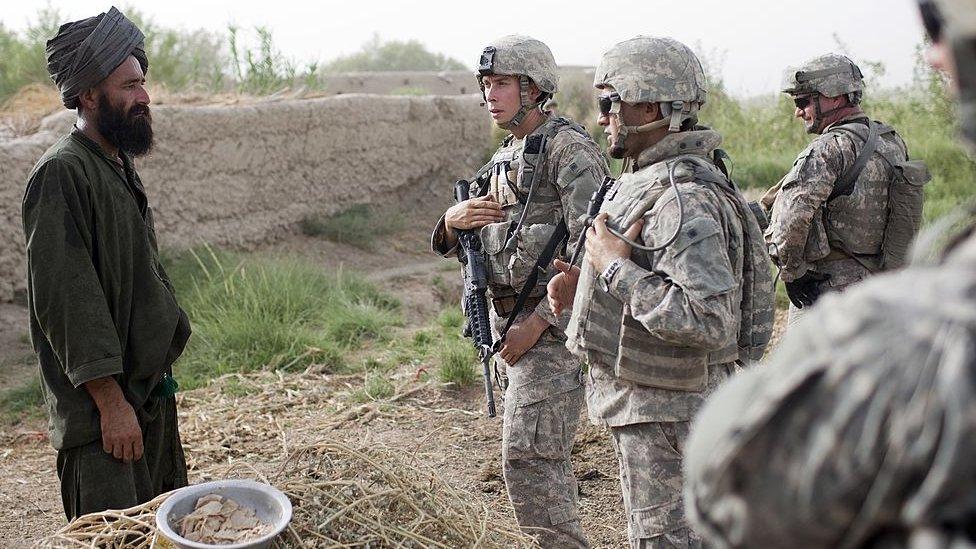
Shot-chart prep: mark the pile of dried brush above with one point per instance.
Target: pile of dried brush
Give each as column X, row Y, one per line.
column 342, row 497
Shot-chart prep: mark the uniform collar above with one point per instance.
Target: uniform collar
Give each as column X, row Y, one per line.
column 700, row 142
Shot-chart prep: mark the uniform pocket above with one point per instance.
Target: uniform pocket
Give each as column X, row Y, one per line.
column 545, row 417
column 493, row 239
column 662, row 525
column 532, row 239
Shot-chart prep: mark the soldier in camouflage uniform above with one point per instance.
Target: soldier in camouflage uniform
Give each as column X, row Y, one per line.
column 662, row 323
column 861, row 431
column 822, row 240
column 544, row 396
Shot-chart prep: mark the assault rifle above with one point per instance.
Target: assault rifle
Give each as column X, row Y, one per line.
column 478, row 326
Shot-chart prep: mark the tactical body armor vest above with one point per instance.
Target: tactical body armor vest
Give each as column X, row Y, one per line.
column 875, row 221
column 609, row 333
column 518, row 166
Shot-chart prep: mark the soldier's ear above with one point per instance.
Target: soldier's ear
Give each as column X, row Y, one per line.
column 649, row 112
column 534, row 90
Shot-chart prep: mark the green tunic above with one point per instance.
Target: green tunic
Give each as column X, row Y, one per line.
column 100, row 303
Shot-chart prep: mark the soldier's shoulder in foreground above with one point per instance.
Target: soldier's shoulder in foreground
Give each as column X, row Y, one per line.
column 855, row 379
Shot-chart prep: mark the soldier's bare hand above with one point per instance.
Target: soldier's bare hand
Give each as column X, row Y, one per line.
column 473, row 213
column 602, row 247
column 121, row 434
column 521, row 337
column 561, row 290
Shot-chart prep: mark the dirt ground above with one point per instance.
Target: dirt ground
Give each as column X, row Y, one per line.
column 435, row 425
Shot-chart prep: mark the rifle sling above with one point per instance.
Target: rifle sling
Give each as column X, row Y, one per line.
column 845, row 183
column 545, row 258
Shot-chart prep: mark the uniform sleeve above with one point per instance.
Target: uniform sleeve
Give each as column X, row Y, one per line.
column 580, row 170
column 68, row 299
column 687, row 300
column 438, row 240
column 800, row 200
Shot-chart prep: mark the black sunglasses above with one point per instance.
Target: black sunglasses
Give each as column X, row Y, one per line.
column 802, row 102
column 606, row 102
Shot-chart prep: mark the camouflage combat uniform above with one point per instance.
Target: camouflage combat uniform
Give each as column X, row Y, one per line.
column 838, row 239
column 664, row 331
column 544, row 396
column 684, row 304
column 841, row 238
column 861, row 430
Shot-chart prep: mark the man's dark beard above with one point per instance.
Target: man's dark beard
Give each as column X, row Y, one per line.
column 129, row 131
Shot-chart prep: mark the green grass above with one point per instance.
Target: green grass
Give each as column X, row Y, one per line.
column 357, row 226
column 456, row 356
column 249, row 313
column 456, row 362
column 23, row 401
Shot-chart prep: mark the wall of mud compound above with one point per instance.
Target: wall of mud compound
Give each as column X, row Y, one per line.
column 244, row 175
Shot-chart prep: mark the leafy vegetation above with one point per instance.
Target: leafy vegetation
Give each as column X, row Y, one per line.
column 240, row 60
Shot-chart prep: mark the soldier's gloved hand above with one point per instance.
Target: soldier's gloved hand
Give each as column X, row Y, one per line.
column 473, row 213
column 806, row 289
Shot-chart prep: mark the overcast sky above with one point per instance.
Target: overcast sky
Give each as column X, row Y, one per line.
column 753, row 39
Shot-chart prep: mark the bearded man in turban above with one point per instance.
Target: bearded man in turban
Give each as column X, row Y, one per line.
column 104, row 320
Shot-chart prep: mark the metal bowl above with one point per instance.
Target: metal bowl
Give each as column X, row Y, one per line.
column 270, row 505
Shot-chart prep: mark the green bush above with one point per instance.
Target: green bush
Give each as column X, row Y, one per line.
column 393, row 55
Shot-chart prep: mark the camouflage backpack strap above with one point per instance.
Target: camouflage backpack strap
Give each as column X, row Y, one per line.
column 844, row 185
column 757, row 308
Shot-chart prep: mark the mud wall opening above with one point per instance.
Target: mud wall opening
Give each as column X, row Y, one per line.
column 239, row 176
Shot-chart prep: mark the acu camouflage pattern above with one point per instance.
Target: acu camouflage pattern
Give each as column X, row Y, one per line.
column 541, row 416
column 544, row 396
column 860, row 431
column 808, row 234
column 672, row 313
column 522, row 55
column 670, row 319
column 648, row 69
column 570, row 170
column 650, row 456
column 831, row 75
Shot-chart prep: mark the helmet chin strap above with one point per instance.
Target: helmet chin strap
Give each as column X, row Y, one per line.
column 820, row 117
column 672, row 121
column 526, row 104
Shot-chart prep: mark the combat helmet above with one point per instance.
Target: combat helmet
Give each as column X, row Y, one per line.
column 831, row 75
column 529, row 60
column 954, row 22
column 648, row 69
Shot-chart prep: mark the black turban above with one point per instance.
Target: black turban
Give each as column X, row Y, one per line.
column 85, row 52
